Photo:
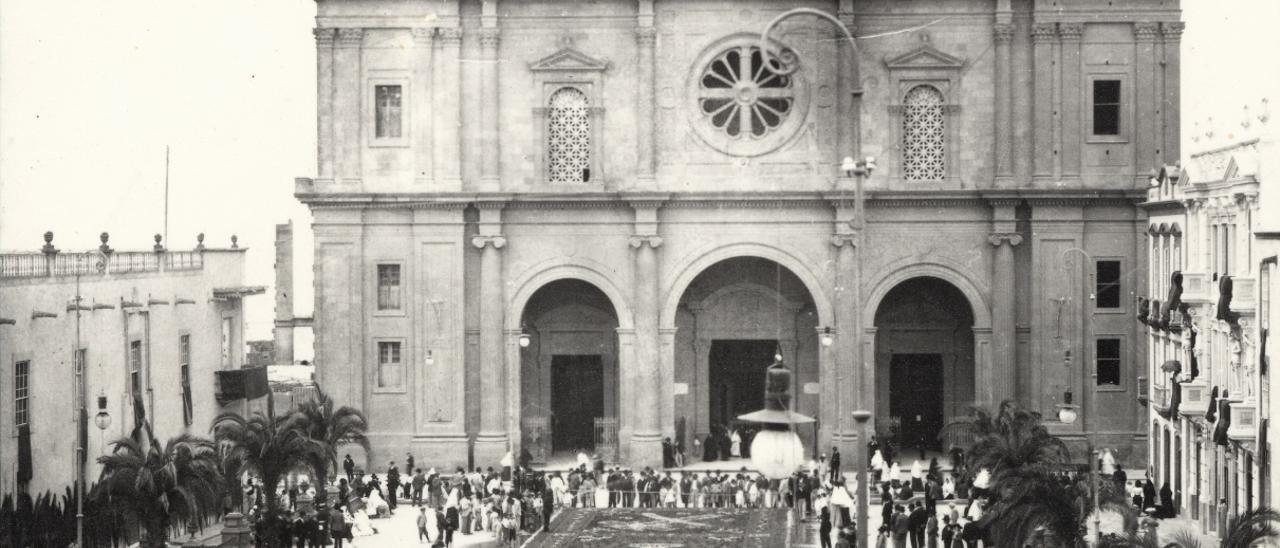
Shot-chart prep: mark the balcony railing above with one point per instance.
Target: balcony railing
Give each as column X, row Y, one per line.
column 1195, row 398
column 1160, row 397
column 1197, row 288
column 1242, row 298
column 42, row 265
column 1244, row 421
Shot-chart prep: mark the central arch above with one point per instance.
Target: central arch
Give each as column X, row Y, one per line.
column 707, row 256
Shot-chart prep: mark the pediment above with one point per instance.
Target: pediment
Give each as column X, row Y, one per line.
column 924, row 57
column 569, row 60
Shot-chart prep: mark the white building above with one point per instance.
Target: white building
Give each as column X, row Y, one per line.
column 1213, row 239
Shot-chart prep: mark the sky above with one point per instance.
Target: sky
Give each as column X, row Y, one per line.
column 91, row 93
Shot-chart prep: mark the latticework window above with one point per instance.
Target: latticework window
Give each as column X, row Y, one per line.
column 924, row 135
column 742, row 95
column 568, row 137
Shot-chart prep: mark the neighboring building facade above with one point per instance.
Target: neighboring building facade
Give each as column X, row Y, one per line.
column 1213, row 241
column 559, row 225
column 153, row 325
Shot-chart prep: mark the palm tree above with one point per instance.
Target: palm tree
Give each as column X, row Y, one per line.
column 330, row 429
column 1250, row 527
column 266, row 447
column 160, row 487
column 1013, row 438
column 1027, row 498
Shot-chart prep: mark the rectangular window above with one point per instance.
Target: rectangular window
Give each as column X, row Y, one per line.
column 1108, row 282
column 387, row 111
column 388, row 287
column 21, row 393
column 184, row 364
column 82, row 357
column 1106, row 107
column 1108, row 362
column 389, row 365
column 135, row 369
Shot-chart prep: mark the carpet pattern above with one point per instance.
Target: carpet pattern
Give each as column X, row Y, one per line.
column 665, row 528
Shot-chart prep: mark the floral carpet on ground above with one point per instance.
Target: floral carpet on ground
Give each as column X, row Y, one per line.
column 665, row 527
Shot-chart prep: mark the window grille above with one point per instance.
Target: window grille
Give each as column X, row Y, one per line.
column 569, row 137
column 924, row 135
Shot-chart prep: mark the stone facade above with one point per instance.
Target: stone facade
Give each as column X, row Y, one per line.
column 137, row 310
column 471, row 153
column 1212, row 242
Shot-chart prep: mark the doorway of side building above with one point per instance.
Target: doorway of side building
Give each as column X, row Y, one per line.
column 737, row 377
column 577, row 399
column 916, row 396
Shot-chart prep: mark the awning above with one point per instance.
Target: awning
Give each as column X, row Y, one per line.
column 239, row 384
column 1172, row 366
column 237, row 292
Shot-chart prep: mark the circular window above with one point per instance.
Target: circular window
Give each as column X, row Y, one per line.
column 741, row 106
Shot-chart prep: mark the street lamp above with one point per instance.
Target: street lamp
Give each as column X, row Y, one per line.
column 103, row 418
column 826, row 337
column 776, row 450
column 1067, row 412
column 861, row 417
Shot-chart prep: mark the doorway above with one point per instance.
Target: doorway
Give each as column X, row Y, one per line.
column 736, row 378
column 916, row 399
column 577, row 398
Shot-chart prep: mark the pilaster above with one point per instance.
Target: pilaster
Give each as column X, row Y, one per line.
column 325, row 153
column 348, row 61
column 1072, row 71
column 1172, row 35
column 423, row 135
column 1146, row 134
column 490, row 170
column 843, row 378
column 646, row 38
column 493, row 440
column 447, row 99
column 646, row 436
column 1003, row 34
column 1043, row 36
column 1003, row 378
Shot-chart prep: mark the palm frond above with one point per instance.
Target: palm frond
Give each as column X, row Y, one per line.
column 1244, row 530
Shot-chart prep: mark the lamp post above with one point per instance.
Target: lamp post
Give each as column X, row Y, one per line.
column 1067, row 411
column 776, row 451
column 861, row 417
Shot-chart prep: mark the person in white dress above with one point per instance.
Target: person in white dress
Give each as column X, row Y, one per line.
column 378, row 505
column 735, row 443
column 948, row 486
column 360, row 525
column 917, row 476
column 895, row 473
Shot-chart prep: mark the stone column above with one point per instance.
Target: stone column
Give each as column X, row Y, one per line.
column 1145, row 133
column 646, row 436
column 849, row 386
column 491, row 441
column 447, row 103
column 324, row 105
column 646, row 37
column 1043, row 35
column 347, row 128
column 490, row 173
column 421, row 101
column 1004, row 104
column 1003, row 378
column 1072, row 71
column 1172, row 34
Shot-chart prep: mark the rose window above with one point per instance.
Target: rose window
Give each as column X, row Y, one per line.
column 924, row 135
column 742, row 96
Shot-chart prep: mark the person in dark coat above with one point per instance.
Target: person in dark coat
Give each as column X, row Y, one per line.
column 548, row 505
column 835, row 465
column 393, row 486
column 1148, row 494
column 451, row 523
column 824, row 526
column 711, row 448
column 1167, row 508
column 668, row 454
column 349, row 466
column 444, row 530
column 917, row 520
column 901, row 527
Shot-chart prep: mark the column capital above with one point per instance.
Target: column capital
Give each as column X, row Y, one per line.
column 1003, row 32
column 1145, row 31
column 638, row 241
column 1043, row 32
column 498, row 241
column 1071, row 32
column 489, row 37
column 324, row 36
column 423, row 36
column 450, row 36
column 998, row 238
column 646, row 36
column 1172, row 31
column 350, row 37
column 839, row 239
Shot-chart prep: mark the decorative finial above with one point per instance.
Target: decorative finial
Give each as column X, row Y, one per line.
column 200, row 242
column 1209, row 132
column 104, row 248
column 48, row 248
column 235, row 242
column 158, row 247
column 1266, row 111
column 1246, row 121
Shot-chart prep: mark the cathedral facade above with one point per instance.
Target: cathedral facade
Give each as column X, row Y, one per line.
column 556, row 226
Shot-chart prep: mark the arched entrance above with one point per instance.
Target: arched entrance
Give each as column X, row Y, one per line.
column 925, row 374
column 569, row 370
column 731, row 320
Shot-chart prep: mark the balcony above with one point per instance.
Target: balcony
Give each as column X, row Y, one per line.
column 1160, row 397
column 1197, row 288
column 1244, row 421
column 1195, row 398
column 1177, row 320
column 1243, row 299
